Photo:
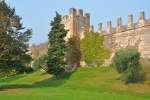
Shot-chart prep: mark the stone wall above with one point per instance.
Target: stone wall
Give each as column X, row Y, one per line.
column 121, row 36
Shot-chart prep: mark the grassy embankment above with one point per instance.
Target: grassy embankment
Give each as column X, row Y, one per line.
column 84, row 84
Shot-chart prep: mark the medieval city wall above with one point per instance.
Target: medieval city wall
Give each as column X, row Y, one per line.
column 122, row 36
column 131, row 35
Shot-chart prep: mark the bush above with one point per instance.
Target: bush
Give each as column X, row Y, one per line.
column 125, row 58
column 28, row 70
column 40, row 62
column 127, row 62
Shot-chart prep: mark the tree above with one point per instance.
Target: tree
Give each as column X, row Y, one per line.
column 13, row 41
column 73, row 53
column 127, row 62
column 92, row 49
column 57, row 49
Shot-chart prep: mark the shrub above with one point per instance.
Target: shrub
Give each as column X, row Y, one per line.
column 28, row 69
column 127, row 62
column 40, row 62
column 125, row 58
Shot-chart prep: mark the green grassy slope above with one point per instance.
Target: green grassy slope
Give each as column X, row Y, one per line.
column 84, row 84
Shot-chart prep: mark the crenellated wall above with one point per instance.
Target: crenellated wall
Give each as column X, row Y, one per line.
column 121, row 36
column 131, row 35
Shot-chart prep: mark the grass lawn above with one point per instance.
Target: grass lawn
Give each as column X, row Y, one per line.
column 84, row 84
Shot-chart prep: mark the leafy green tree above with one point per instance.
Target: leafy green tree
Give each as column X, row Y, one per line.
column 92, row 49
column 127, row 62
column 57, row 49
column 13, row 42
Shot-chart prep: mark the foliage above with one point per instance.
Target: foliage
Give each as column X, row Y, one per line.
column 57, row 49
column 13, row 42
column 124, row 57
column 40, row 62
column 92, row 49
column 73, row 53
column 127, row 62
column 28, row 69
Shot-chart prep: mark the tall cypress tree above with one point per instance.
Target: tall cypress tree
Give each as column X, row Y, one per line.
column 13, row 41
column 57, row 49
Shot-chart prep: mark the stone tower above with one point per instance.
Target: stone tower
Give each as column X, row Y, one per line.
column 77, row 22
column 142, row 18
column 119, row 24
column 100, row 28
column 109, row 27
column 130, row 21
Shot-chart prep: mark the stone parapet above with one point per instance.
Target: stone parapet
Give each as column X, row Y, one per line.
column 142, row 22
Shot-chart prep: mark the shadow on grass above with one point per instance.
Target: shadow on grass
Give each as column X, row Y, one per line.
column 50, row 82
column 11, row 78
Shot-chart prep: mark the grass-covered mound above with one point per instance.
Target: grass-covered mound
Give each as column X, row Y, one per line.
column 84, row 84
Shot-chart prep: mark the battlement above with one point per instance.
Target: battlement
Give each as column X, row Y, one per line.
column 73, row 13
column 121, row 36
column 130, row 25
column 131, row 35
column 77, row 22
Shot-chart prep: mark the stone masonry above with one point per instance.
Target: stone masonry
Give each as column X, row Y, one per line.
column 131, row 35
column 122, row 36
column 77, row 23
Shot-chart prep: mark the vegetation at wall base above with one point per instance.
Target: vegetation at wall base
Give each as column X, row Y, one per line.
column 40, row 62
column 73, row 53
column 127, row 62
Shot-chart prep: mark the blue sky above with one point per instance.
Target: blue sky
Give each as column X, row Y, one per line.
column 38, row 13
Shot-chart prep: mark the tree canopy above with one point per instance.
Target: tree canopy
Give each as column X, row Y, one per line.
column 92, row 49
column 13, row 41
column 57, row 49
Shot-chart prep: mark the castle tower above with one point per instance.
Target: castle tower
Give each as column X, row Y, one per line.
column 72, row 12
column 80, row 12
column 142, row 18
column 73, row 25
column 77, row 22
column 130, row 21
column 109, row 27
column 119, row 24
column 100, row 28
column 91, row 29
column 80, row 21
column 87, row 18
